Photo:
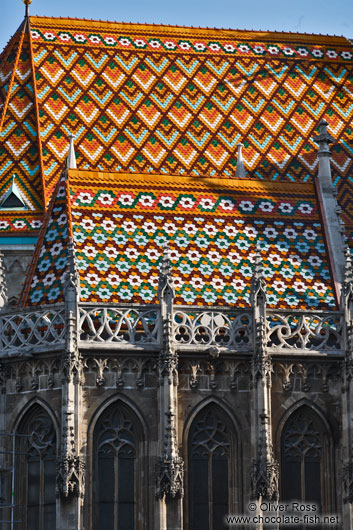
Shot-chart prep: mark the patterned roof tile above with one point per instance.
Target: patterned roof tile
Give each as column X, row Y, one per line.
column 148, row 98
column 120, row 224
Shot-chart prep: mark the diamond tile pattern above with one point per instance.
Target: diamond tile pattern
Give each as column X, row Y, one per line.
column 19, row 148
column 178, row 100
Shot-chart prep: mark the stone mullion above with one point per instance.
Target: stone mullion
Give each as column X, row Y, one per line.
column 170, row 468
column 264, row 471
column 347, row 397
column 71, row 466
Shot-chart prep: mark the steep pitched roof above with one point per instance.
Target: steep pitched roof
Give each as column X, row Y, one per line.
column 120, row 223
column 20, row 164
column 177, row 101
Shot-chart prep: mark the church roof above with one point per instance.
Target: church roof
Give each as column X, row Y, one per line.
column 120, row 223
column 169, row 100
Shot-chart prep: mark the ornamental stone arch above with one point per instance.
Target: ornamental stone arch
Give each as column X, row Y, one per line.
column 305, row 445
column 35, row 444
column 103, row 432
column 24, row 409
column 216, row 418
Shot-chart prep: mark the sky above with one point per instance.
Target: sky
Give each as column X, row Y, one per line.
column 304, row 16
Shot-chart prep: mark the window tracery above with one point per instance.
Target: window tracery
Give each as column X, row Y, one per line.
column 210, row 469
column 36, row 470
column 304, row 456
column 116, row 482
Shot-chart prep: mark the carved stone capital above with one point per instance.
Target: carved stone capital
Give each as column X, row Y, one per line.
column 170, row 478
column 70, row 478
column 72, row 367
column 261, row 368
column 264, row 476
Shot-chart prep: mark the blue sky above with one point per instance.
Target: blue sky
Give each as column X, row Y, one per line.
column 311, row 16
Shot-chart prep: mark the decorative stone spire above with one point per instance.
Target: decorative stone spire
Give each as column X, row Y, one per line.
column 165, row 282
column 324, row 154
column 3, row 288
column 348, row 270
column 72, row 282
column 258, row 283
column 27, row 3
column 240, row 172
column 71, row 158
column 333, row 225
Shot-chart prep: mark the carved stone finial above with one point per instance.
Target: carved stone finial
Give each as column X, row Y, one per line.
column 323, row 139
column 3, row 287
column 258, row 283
column 27, row 3
column 72, row 281
column 265, row 479
column 165, row 281
column 348, row 269
column 170, row 470
column 324, row 155
column 71, row 158
column 240, row 171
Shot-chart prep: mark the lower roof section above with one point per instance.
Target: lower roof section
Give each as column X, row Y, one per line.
column 120, row 224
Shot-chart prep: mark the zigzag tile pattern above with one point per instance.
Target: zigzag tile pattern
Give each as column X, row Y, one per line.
column 121, row 223
column 178, row 100
column 7, row 67
column 19, row 150
column 180, row 110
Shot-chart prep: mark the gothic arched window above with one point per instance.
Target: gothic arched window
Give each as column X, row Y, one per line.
column 116, row 481
column 36, row 470
column 304, row 458
column 211, row 446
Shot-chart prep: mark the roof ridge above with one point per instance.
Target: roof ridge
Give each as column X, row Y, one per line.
column 36, row 106
column 167, row 178
column 151, row 25
column 22, row 301
column 12, row 77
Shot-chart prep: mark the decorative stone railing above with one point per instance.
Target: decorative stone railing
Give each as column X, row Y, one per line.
column 299, row 331
column 31, row 331
column 194, row 329
column 200, row 328
column 111, row 327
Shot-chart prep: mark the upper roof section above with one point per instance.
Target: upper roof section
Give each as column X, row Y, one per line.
column 176, row 100
column 20, row 164
column 121, row 222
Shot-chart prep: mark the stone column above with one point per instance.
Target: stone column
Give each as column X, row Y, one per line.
column 3, row 287
column 347, row 396
column 264, row 471
column 71, row 465
column 170, row 468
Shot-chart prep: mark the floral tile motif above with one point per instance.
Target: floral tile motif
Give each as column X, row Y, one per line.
column 120, row 226
column 46, row 284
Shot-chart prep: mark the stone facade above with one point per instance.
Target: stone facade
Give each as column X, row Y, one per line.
column 165, row 414
column 256, row 366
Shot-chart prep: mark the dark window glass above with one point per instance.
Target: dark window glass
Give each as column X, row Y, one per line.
column 36, row 470
column 115, row 440
column 302, row 458
column 12, row 201
column 209, row 464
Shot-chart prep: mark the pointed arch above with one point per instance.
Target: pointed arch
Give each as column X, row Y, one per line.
column 25, row 409
column 118, row 445
column 35, row 465
column 213, row 456
column 305, row 446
